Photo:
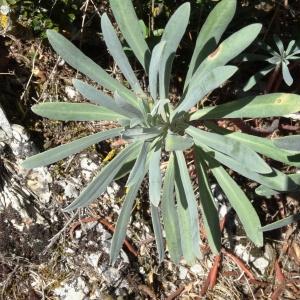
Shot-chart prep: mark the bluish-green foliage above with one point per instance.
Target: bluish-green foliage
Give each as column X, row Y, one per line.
column 153, row 126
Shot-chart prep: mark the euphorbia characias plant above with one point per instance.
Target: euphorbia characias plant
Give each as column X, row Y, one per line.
column 152, row 125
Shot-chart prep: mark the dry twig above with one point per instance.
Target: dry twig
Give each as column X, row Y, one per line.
column 105, row 223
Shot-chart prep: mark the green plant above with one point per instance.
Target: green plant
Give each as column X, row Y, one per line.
column 40, row 15
column 278, row 60
column 291, row 143
column 151, row 125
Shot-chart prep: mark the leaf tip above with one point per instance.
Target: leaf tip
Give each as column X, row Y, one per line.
column 35, row 108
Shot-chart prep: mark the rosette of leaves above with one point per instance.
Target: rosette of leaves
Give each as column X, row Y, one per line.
column 278, row 60
column 152, row 125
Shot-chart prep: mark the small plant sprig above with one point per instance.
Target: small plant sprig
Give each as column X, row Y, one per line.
column 279, row 60
column 152, row 125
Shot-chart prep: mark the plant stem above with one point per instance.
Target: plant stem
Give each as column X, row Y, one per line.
column 272, row 79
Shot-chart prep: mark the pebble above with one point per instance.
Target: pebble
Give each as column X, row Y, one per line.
column 183, row 272
column 78, row 234
column 75, row 290
column 243, row 252
column 71, row 92
column 88, row 168
column 197, row 269
column 261, row 264
column 93, row 259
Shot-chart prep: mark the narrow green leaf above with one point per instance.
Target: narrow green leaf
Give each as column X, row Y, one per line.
column 287, row 77
column 126, row 107
column 271, row 105
column 102, row 180
column 155, row 180
column 185, row 228
column 155, row 63
column 155, row 216
column 227, row 50
column 261, row 145
column 279, row 44
column 96, row 96
column 139, row 167
column 125, row 170
column 293, row 57
column 61, row 152
column 187, row 210
column 123, row 220
column 134, row 122
column 201, row 87
column 281, row 223
column 239, row 202
column 176, row 142
column 172, row 35
column 158, row 107
column 290, row 47
column 291, row 142
column 65, row 111
column 129, row 162
column 208, row 208
column 211, row 33
column 128, row 22
column 231, row 147
column 169, row 213
column 253, row 80
column 141, row 133
column 266, row 191
column 275, row 180
column 116, row 50
column 75, row 58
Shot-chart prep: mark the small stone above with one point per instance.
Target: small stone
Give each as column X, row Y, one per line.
column 197, row 269
column 242, row 251
column 261, row 264
column 91, row 243
column 223, row 211
column 138, row 225
column 78, row 234
column 110, row 275
column 76, row 290
column 38, row 180
column 71, row 191
column 71, row 92
column 110, row 191
column 90, row 225
column 93, row 259
column 115, row 186
column 88, row 168
column 69, row 251
column 61, row 62
column 19, row 133
column 183, row 272
column 105, row 235
column 100, row 228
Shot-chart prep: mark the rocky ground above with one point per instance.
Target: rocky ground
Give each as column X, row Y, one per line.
column 48, row 254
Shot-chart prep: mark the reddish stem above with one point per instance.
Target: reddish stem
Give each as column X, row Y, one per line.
column 240, row 263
